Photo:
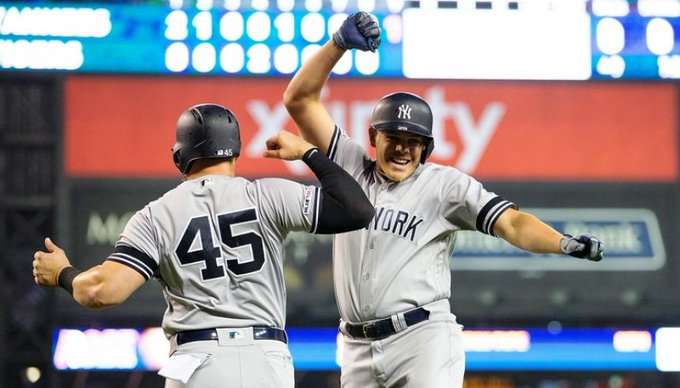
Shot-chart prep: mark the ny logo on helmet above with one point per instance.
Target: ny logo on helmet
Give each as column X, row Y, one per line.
column 404, row 112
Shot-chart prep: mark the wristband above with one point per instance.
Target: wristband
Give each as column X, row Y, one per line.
column 66, row 277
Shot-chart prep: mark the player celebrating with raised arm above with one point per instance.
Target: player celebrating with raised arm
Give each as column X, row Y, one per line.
column 215, row 243
column 392, row 279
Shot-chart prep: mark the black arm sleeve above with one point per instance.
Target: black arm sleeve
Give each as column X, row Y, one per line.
column 343, row 204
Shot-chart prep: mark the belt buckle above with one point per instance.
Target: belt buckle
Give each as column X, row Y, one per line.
column 259, row 332
column 365, row 328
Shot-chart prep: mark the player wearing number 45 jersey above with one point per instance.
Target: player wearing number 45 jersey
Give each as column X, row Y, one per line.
column 215, row 244
column 392, row 279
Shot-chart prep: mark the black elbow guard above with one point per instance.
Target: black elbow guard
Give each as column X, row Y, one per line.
column 336, row 218
column 343, row 204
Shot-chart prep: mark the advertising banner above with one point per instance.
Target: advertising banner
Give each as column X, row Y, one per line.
column 124, row 126
column 633, row 243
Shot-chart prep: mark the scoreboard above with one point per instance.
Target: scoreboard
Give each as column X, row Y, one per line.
column 445, row 39
column 160, row 39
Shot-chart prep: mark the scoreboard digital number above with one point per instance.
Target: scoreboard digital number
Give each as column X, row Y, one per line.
column 261, row 42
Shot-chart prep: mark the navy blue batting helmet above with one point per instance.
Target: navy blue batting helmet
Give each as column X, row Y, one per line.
column 205, row 131
column 402, row 111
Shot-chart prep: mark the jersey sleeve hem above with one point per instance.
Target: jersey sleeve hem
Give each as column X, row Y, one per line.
column 333, row 146
column 130, row 265
column 486, row 219
column 315, row 215
column 135, row 259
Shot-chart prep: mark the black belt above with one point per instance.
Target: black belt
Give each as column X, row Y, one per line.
column 259, row 333
column 384, row 328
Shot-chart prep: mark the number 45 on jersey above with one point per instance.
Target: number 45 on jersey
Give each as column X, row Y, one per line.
column 209, row 253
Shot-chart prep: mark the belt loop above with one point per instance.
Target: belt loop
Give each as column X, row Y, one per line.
column 343, row 327
column 173, row 344
column 399, row 322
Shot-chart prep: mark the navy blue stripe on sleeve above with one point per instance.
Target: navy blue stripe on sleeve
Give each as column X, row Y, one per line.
column 135, row 259
column 486, row 219
column 129, row 264
column 317, row 205
column 333, row 147
column 485, row 210
column 492, row 220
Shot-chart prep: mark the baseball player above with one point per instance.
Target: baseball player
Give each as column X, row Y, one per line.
column 214, row 243
column 392, row 279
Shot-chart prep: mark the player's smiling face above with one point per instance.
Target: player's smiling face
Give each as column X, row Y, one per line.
column 397, row 153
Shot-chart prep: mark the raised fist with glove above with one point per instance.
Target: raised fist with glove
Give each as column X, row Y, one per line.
column 359, row 31
column 583, row 246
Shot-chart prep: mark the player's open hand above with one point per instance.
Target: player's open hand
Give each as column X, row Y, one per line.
column 48, row 265
column 360, row 31
column 583, row 246
column 284, row 145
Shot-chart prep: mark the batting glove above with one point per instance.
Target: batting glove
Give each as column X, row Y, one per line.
column 358, row 31
column 583, row 246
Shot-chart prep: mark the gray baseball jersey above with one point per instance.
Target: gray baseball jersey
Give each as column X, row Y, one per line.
column 401, row 260
column 215, row 244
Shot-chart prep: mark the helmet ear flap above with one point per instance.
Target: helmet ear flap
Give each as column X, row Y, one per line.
column 427, row 151
column 178, row 161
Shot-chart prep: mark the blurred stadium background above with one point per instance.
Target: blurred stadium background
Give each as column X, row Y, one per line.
column 568, row 107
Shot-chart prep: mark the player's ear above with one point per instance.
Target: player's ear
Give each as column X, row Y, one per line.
column 371, row 135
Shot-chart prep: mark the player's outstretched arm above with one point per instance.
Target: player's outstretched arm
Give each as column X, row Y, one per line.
column 527, row 232
column 344, row 205
column 101, row 286
column 302, row 97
